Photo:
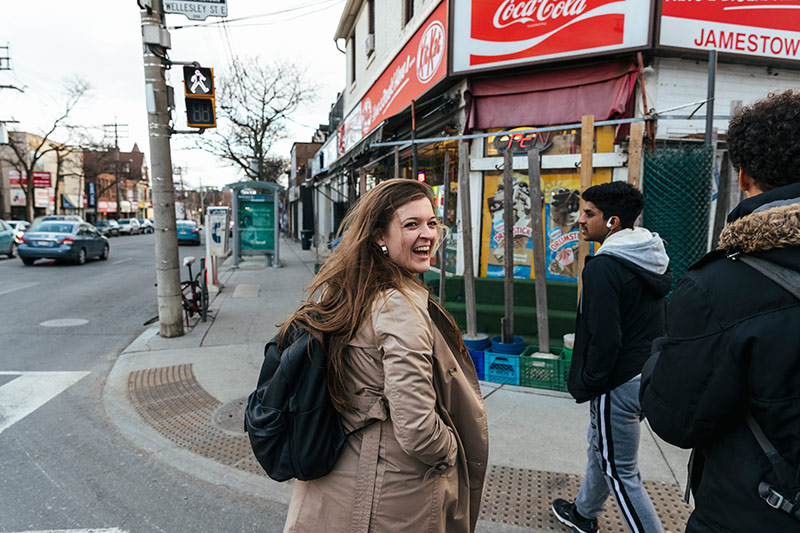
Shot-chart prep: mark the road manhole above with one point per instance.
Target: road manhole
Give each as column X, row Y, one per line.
column 230, row 416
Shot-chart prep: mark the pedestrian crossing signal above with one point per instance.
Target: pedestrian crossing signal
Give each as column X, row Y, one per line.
column 198, row 84
column 200, row 113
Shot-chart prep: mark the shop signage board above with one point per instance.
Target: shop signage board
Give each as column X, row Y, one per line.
column 419, row 66
column 491, row 34
column 763, row 28
column 17, row 197
column 41, row 180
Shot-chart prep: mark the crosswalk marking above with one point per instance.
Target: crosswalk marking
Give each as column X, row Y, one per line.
column 31, row 390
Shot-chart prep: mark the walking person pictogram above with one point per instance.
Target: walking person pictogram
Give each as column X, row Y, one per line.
column 198, row 79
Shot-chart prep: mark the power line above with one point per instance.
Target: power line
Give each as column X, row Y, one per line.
column 273, row 13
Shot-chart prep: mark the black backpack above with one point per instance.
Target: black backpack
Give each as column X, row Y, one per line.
column 294, row 430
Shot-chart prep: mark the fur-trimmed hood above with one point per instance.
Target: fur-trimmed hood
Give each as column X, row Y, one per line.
column 767, row 229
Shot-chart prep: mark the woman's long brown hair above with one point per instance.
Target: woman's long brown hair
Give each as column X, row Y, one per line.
column 342, row 293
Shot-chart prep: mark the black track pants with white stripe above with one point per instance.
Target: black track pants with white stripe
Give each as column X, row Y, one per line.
column 613, row 456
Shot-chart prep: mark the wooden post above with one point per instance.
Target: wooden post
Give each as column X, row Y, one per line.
column 537, row 234
column 635, row 154
column 466, row 239
column 508, row 243
column 443, row 248
column 362, row 181
column 587, row 150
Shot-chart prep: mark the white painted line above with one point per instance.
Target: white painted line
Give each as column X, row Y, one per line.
column 101, row 530
column 121, row 261
column 19, row 287
column 31, row 390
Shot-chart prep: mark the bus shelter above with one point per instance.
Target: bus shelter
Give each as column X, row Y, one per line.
column 256, row 215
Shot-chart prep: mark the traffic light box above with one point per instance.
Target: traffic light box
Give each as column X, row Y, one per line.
column 198, row 84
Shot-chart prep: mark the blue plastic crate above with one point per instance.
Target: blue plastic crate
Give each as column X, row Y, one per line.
column 501, row 367
column 477, row 360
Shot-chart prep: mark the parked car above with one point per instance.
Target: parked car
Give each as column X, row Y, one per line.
column 62, row 240
column 8, row 241
column 109, row 228
column 188, row 232
column 128, row 226
column 146, row 225
column 50, row 218
column 19, row 227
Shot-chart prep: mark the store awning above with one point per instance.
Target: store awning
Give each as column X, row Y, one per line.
column 548, row 98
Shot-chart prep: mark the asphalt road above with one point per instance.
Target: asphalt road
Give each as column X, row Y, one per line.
column 64, row 466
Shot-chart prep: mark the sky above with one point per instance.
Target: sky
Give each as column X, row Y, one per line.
column 100, row 41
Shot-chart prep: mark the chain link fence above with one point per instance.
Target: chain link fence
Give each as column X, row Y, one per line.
column 677, row 193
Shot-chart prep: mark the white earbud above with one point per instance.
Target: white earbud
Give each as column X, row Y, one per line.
column 608, row 224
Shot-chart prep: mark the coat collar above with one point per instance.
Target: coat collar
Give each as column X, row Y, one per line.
column 762, row 230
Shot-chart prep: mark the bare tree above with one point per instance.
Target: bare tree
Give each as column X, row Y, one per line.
column 27, row 151
column 253, row 103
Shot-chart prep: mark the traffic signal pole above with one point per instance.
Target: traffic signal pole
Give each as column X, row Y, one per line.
column 155, row 42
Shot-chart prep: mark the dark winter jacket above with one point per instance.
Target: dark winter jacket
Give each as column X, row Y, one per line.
column 732, row 346
column 620, row 313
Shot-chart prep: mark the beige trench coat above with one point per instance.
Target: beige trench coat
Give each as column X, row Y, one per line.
column 422, row 467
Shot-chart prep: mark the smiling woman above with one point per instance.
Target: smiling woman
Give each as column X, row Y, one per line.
column 395, row 358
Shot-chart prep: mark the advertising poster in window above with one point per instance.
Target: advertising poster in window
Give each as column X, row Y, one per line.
column 561, row 191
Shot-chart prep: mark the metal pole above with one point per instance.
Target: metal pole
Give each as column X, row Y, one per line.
column 167, row 266
column 466, row 239
column 508, row 242
column 443, row 248
column 276, row 230
column 712, row 78
column 537, row 234
column 414, row 146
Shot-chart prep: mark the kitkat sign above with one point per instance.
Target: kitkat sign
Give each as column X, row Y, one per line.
column 766, row 28
column 500, row 33
column 420, row 64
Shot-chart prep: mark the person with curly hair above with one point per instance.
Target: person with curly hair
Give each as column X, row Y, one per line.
column 731, row 354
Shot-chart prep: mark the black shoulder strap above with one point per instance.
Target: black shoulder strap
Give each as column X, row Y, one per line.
column 785, row 277
column 774, row 497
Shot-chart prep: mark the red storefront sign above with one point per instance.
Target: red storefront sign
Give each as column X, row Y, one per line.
column 498, row 33
column 419, row 66
column 766, row 28
column 41, row 180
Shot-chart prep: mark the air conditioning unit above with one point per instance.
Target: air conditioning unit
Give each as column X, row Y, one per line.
column 370, row 44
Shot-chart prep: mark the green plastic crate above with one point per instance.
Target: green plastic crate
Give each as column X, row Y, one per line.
column 539, row 372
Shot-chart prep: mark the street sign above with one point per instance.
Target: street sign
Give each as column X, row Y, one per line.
column 198, row 81
column 197, row 9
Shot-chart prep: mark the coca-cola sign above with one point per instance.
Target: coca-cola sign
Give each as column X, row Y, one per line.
column 500, row 33
column 765, row 28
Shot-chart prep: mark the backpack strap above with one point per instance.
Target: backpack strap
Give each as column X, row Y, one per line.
column 782, row 469
column 785, row 277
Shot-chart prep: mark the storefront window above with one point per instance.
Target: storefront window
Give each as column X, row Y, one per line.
column 560, row 188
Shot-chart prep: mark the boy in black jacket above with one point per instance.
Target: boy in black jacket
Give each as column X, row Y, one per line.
column 732, row 345
column 621, row 311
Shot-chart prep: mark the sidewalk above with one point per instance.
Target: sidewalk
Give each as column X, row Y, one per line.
column 181, row 401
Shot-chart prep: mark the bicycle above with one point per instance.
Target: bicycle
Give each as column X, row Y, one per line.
column 194, row 293
column 196, row 301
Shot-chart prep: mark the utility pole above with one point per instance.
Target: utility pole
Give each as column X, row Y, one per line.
column 155, row 40
column 116, row 126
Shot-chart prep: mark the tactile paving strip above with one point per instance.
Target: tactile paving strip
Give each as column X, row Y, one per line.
column 172, row 401
column 522, row 497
